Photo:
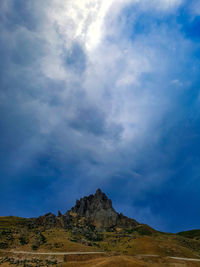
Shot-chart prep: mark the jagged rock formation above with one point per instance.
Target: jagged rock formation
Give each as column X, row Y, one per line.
column 49, row 220
column 98, row 211
column 95, row 211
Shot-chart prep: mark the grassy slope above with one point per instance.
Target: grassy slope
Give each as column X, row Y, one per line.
column 158, row 244
column 144, row 241
column 11, row 222
column 56, row 239
column 194, row 234
column 113, row 261
column 129, row 261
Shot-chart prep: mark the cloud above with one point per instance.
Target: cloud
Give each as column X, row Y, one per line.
column 92, row 94
column 195, row 7
column 163, row 5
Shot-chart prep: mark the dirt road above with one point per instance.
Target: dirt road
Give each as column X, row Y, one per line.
column 91, row 253
column 54, row 253
column 174, row 258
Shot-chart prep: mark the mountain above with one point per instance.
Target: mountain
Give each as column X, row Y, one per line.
column 97, row 210
column 91, row 225
column 94, row 211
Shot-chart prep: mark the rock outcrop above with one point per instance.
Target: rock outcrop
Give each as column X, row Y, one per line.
column 94, row 211
column 49, row 220
column 98, row 211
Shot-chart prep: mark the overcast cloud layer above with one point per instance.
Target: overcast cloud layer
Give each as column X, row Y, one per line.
column 100, row 93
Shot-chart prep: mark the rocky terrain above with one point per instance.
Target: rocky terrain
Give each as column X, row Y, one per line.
column 92, row 225
column 95, row 211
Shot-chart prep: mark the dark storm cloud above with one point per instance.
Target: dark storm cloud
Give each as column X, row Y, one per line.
column 123, row 116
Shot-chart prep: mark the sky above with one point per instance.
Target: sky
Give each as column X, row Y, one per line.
column 101, row 94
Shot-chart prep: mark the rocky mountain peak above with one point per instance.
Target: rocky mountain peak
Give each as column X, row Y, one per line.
column 89, row 206
column 98, row 211
column 99, row 193
column 93, row 210
column 100, row 197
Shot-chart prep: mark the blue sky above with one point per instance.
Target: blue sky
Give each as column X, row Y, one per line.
column 101, row 94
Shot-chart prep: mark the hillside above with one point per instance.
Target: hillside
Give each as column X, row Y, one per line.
column 93, row 225
column 194, row 234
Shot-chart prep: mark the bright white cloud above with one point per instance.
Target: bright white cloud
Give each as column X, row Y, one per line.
column 84, row 20
column 112, row 79
column 79, row 20
column 107, row 111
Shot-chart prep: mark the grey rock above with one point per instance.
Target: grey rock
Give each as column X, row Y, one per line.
column 48, row 220
column 59, row 214
column 98, row 211
column 93, row 212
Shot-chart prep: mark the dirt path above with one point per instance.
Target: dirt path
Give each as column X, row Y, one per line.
column 91, row 253
column 184, row 259
column 54, row 253
column 174, row 258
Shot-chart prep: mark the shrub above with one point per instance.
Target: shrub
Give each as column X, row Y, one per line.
column 23, row 240
column 35, row 247
column 3, row 245
column 144, row 230
column 129, row 231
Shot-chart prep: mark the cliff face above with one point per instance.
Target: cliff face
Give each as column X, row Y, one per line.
column 97, row 210
column 94, row 211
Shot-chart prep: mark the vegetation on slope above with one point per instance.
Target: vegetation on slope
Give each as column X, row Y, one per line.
column 194, row 234
column 16, row 234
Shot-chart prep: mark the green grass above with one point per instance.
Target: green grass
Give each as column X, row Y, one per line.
column 11, row 222
column 194, row 234
column 15, row 233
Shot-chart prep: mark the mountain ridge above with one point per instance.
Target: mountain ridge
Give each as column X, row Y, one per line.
column 95, row 210
column 92, row 224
